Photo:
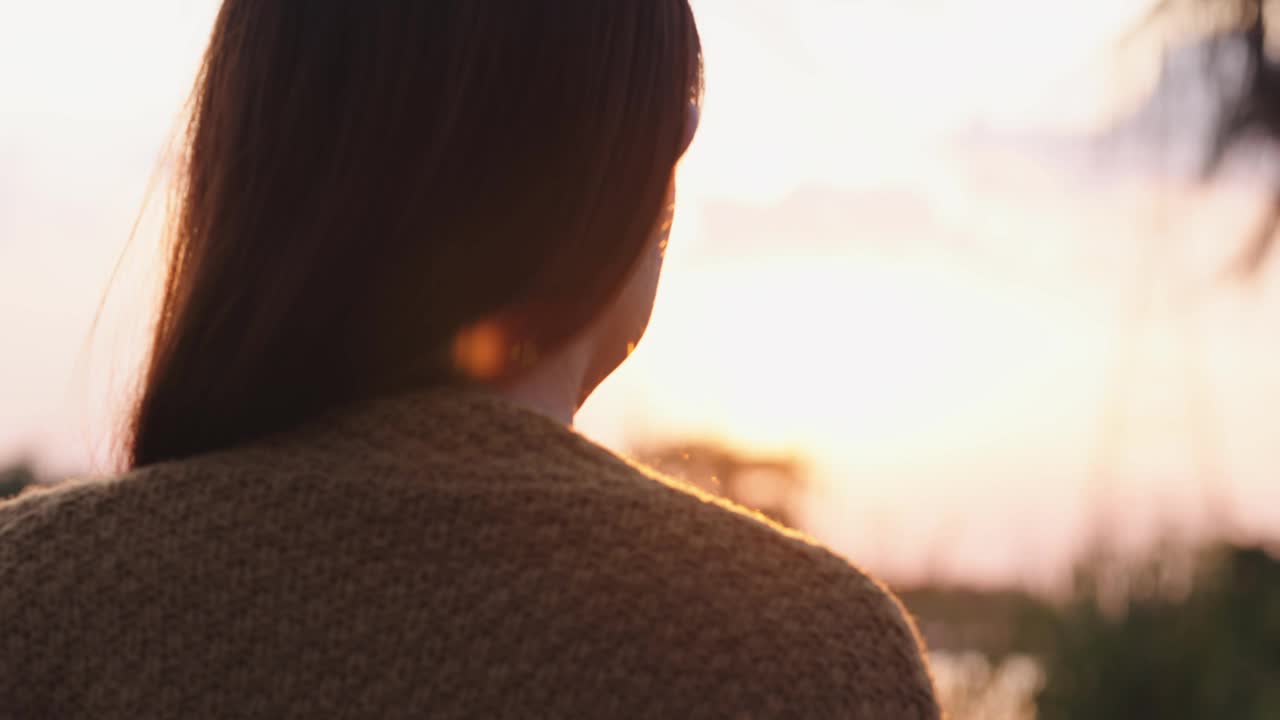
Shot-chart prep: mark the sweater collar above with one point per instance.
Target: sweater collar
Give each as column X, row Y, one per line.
column 450, row 424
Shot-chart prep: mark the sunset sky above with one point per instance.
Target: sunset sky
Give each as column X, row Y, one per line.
column 895, row 254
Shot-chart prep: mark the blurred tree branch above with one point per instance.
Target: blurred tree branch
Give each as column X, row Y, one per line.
column 1249, row 113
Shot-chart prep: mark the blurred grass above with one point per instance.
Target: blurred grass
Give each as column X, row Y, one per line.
column 1176, row 632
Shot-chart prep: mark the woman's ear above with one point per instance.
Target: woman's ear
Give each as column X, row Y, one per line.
column 508, row 342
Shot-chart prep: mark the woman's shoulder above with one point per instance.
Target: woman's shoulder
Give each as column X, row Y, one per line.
column 42, row 509
column 582, row 548
column 742, row 591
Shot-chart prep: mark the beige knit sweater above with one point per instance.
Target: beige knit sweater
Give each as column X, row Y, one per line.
column 438, row 555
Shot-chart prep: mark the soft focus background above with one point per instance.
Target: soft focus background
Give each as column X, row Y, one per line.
column 949, row 290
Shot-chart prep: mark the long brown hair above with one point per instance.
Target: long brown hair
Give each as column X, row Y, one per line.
column 364, row 180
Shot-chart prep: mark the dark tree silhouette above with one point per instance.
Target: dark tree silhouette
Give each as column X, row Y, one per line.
column 16, row 478
column 769, row 485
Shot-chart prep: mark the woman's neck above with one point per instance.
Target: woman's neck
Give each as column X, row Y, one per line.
column 552, row 388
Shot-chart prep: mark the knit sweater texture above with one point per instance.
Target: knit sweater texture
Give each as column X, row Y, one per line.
column 442, row 554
